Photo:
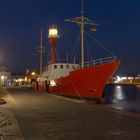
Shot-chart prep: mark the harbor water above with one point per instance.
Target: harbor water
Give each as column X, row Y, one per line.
column 123, row 97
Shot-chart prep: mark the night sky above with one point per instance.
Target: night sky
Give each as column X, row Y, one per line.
column 21, row 21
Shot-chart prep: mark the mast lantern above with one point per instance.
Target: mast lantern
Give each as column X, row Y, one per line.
column 53, row 33
column 53, row 38
column 94, row 29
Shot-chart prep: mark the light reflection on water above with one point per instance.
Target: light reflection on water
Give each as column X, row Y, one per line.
column 123, row 97
column 118, row 93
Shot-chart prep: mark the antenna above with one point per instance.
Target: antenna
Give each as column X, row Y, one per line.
column 67, row 57
column 82, row 7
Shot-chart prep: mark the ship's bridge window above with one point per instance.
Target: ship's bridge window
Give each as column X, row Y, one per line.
column 61, row 66
column 67, row 66
column 55, row 66
column 73, row 67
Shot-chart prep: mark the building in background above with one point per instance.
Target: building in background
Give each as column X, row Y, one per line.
column 5, row 75
column 129, row 80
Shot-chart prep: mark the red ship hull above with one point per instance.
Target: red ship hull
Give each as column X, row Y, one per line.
column 88, row 82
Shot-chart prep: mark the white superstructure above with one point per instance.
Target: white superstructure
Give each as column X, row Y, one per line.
column 58, row 70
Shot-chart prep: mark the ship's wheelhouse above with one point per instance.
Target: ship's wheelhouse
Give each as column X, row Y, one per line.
column 59, row 70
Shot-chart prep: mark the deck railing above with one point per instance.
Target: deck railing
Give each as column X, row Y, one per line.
column 106, row 60
column 100, row 61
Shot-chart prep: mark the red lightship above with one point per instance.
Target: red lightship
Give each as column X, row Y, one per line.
column 87, row 79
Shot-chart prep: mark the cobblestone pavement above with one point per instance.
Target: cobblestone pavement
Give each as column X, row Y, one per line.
column 9, row 129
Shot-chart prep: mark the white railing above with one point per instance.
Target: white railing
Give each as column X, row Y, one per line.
column 100, row 61
column 95, row 62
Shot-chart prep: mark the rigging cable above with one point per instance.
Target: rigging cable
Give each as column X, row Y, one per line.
column 76, row 46
column 88, row 49
column 100, row 44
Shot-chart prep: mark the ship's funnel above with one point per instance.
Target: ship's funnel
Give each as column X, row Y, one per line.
column 53, row 37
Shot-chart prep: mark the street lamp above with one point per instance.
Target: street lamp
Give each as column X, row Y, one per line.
column 33, row 73
column 2, row 77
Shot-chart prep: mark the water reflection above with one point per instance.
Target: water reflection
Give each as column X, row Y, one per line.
column 118, row 93
column 123, row 97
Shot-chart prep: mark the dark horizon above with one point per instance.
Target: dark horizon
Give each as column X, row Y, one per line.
column 21, row 23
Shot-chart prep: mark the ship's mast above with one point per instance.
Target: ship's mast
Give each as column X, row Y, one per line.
column 82, row 35
column 41, row 52
column 82, row 21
